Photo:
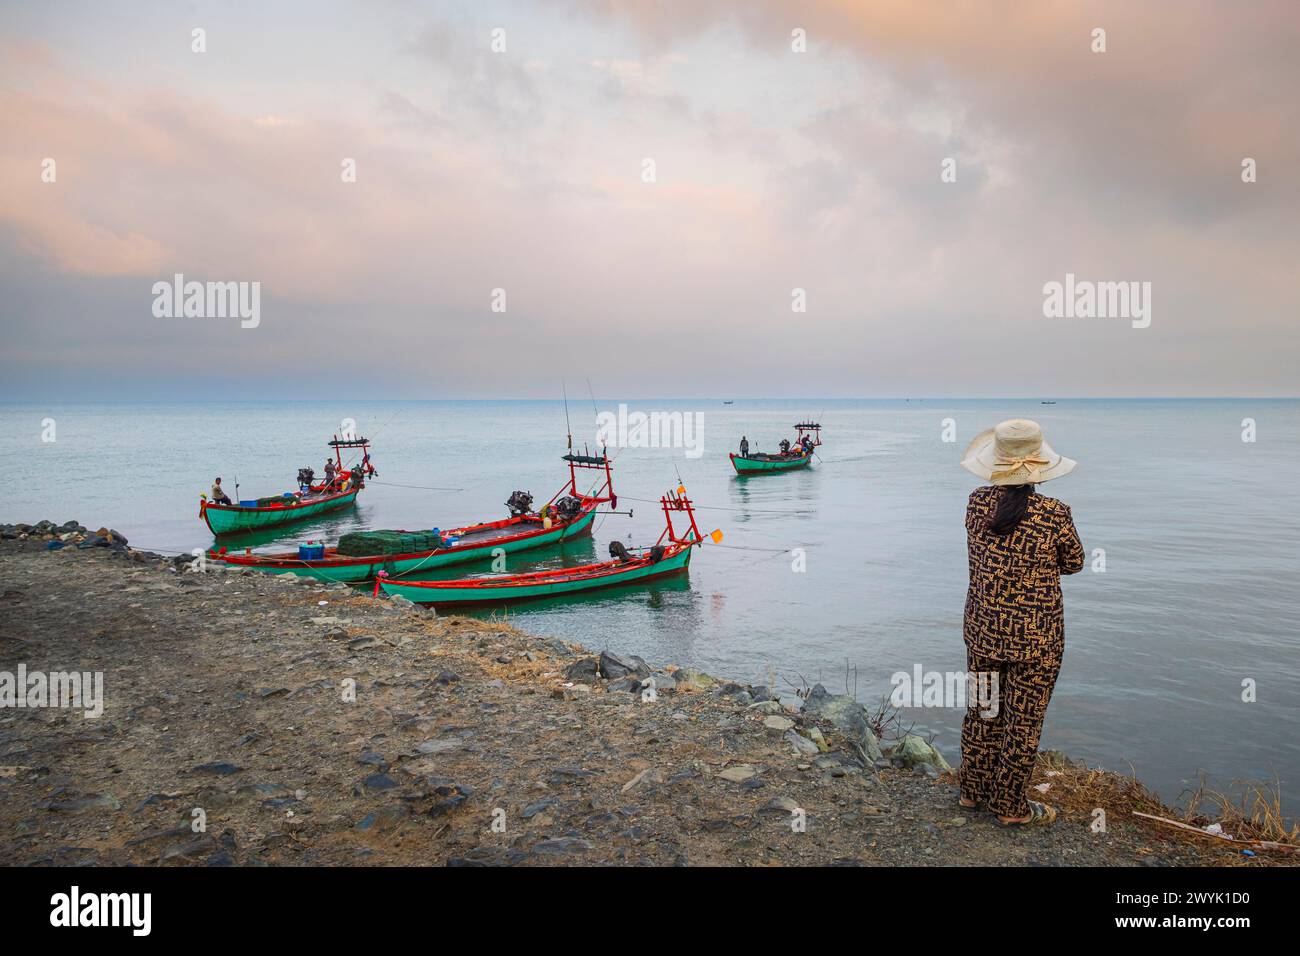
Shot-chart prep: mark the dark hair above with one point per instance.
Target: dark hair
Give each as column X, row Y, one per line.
column 1013, row 502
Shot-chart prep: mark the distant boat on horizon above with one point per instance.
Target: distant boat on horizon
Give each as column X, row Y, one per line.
column 728, row 402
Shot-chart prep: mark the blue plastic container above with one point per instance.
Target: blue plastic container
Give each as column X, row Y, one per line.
column 252, row 503
column 311, row 552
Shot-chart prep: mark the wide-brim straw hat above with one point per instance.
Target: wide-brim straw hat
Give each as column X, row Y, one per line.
column 1014, row 453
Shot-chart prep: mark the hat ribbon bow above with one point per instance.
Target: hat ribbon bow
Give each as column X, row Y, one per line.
column 1031, row 463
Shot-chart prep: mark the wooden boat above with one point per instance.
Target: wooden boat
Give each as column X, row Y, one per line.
column 309, row 500
column 759, row 463
column 524, row 529
column 670, row 555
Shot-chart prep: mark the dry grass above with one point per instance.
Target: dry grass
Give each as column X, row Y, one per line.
column 1256, row 814
column 1255, row 819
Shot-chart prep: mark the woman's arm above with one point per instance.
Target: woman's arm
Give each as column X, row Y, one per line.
column 1069, row 550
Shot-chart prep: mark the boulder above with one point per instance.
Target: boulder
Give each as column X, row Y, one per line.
column 913, row 751
column 613, row 667
column 586, row 670
column 848, row 716
column 688, row 678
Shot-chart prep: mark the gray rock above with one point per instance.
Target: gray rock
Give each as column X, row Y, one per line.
column 848, row 716
column 801, row 744
column 738, row 773
column 585, row 671
column 533, row 809
column 688, row 678
column 220, row 769
column 562, row 845
column 664, row 682
column 913, row 751
column 379, row 781
column 612, row 667
column 384, row 819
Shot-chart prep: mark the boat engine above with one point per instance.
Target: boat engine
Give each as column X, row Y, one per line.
column 568, row 508
column 305, row 476
column 358, row 476
column 520, row 503
column 657, row 553
column 618, row 550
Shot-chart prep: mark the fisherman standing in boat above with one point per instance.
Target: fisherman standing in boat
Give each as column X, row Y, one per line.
column 744, row 447
column 329, row 473
column 219, row 497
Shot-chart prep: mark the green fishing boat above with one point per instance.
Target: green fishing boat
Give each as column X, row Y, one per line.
column 311, row 498
column 790, row 458
column 363, row 555
column 670, row 555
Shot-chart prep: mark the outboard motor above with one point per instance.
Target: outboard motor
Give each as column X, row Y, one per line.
column 520, row 503
column 305, row 477
column 358, row 476
column 568, row 508
column 785, row 446
column 618, row 550
column 657, row 553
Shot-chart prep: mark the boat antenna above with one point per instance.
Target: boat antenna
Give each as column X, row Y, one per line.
column 567, row 427
column 594, row 410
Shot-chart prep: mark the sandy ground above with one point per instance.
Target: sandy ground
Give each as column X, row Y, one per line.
column 258, row 720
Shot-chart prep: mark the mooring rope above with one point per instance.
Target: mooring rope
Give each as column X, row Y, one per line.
column 760, row 511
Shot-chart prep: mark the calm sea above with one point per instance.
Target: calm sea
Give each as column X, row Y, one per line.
column 1200, row 532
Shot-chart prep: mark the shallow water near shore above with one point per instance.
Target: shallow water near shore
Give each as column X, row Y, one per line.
column 1199, row 529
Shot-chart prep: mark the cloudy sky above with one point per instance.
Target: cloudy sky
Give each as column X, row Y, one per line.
column 524, row 169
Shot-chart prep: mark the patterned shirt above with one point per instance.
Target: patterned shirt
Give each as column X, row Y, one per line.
column 1013, row 606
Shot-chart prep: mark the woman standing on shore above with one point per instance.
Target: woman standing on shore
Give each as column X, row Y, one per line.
column 1019, row 544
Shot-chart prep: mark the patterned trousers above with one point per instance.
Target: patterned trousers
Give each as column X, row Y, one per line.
column 998, row 752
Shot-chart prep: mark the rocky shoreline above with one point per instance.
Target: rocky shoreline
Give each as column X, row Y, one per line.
column 272, row 720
